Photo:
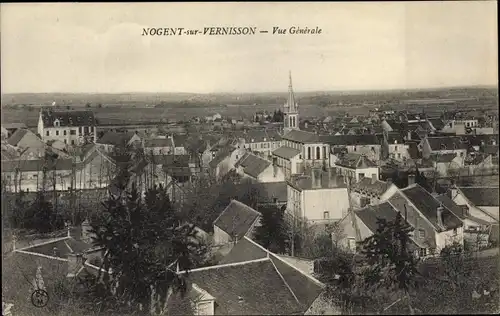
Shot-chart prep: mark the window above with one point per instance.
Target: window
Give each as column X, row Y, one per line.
column 65, row 141
column 57, row 133
column 79, row 130
column 454, row 231
column 354, row 148
column 324, row 152
column 421, row 233
column 461, row 154
column 85, row 129
column 399, row 156
column 395, row 148
column 351, row 243
column 236, row 156
column 318, row 153
column 64, row 132
column 309, row 153
column 72, row 132
column 361, row 175
column 47, row 133
column 326, row 215
column 72, row 142
column 422, row 252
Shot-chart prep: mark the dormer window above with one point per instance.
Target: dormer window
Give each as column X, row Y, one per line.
column 57, row 123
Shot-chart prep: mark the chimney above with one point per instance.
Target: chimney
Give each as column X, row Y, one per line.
column 440, row 210
column 275, row 170
column 374, row 178
column 409, row 135
column 75, row 262
column 465, row 210
column 411, row 179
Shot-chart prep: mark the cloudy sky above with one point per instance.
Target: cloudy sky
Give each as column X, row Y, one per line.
column 99, row 48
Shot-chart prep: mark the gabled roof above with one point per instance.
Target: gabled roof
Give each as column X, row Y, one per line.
column 68, row 118
column 304, row 287
column 221, row 155
column 158, row 142
column 115, row 138
column 437, row 123
column 446, row 143
column 301, row 137
column 428, row 205
column 443, row 158
column 15, row 138
column 59, row 248
column 13, row 125
column 355, row 161
column 351, row 140
column 249, row 288
column 481, row 196
column 369, row 186
column 252, row 164
column 36, row 165
column 286, row 152
column 268, row 191
column 237, row 219
column 457, row 210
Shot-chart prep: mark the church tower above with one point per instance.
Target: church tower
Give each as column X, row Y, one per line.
column 291, row 110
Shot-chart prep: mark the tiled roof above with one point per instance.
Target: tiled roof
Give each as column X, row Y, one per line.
column 350, row 139
column 253, row 165
column 115, row 138
column 68, row 118
column 437, row 123
column 490, row 149
column 302, row 137
column 369, row 186
column 304, row 287
column 444, row 158
column 286, row 152
column 270, row 190
column 236, row 219
column 446, row 143
column 221, row 155
column 370, row 214
column 452, row 206
column 60, row 248
column 17, row 136
column 353, row 160
column 158, row 142
column 428, row 205
column 13, row 125
column 392, row 138
column 413, row 150
column 253, row 288
column 480, row 140
column 481, row 196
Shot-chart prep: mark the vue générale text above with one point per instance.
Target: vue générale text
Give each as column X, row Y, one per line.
column 232, row 30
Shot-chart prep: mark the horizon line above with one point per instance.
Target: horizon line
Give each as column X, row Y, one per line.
column 274, row 92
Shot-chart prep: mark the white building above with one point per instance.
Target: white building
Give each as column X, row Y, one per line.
column 69, row 127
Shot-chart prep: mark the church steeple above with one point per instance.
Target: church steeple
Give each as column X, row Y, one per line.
column 291, row 109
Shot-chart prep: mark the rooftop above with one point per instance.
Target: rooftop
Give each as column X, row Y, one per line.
column 67, row 118
column 236, row 219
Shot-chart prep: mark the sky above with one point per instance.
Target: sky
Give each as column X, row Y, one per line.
column 98, row 48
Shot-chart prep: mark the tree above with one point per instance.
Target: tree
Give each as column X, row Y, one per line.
column 142, row 238
column 42, row 217
column 390, row 263
column 272, row 234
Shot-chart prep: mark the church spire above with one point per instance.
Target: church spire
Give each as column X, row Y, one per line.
column 291, row 104
column 291, row 111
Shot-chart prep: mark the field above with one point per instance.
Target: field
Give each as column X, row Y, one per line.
column 139, row 107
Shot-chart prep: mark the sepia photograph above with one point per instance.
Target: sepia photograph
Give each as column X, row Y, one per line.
column 249, row 158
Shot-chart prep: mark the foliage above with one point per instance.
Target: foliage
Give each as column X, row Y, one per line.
column 143, row 237
column 272, row 234
column 390, row 262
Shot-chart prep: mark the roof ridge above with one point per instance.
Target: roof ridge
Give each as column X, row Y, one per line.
column 225, row 265
column 45, row 243
column 41, row 255
column 243, row 204
column 284, row 261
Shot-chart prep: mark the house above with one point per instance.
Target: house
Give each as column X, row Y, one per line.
column 10, row 128
column 112, row 140
column 160, row 145
column 363, row 223
column 368, row 191
column 47, row 265
column 394, row 146
column 236, row 221
column 437, row 225
column 476, row 230
column 481, row 202
column 258, row 169
column 180, row 144
column 319, row 197
column 306, row 291
column 443, row 145
column 24, row 139
column 225, row 160
column 262, row 141
column 460, row 126
column 70, row 127
column 354, row 167
column 369, row 145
